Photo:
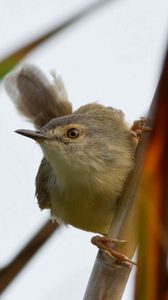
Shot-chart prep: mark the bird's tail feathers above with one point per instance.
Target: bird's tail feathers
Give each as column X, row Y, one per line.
column 35, row 97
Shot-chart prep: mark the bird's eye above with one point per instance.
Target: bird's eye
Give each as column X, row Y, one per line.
column 73, row 133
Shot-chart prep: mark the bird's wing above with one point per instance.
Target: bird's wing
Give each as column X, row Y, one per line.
column 35, row 97
column 45, row 183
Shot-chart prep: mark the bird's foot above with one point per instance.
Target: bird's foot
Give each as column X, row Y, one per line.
column 139, row 126
column 105, row 244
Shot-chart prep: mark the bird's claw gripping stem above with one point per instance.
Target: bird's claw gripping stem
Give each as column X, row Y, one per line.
column 139, row 126
column 104, row 243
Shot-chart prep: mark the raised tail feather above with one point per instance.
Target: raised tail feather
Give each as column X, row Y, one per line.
column 35, row 97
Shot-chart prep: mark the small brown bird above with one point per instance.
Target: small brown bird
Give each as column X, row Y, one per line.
column 88, row 154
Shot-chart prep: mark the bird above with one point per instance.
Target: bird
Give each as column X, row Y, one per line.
column 88, row 153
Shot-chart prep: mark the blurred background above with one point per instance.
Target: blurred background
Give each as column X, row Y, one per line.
column 111, row 54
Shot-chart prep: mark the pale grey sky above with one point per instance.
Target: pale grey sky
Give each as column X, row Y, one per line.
column 113, row 56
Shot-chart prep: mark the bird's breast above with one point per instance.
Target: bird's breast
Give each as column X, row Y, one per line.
column 83, row 208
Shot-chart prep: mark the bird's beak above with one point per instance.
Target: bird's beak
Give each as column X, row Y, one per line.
column 32, row 134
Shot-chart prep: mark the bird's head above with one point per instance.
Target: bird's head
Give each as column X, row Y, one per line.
column 92, row 138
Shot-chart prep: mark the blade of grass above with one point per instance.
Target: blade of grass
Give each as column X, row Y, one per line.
column 153, row 230
column 10, row 61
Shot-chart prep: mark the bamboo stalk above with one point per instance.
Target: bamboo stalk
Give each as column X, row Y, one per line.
column 109, row 277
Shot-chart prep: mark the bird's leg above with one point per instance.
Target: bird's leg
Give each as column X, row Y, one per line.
column 139, row 126
column 106, row 243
